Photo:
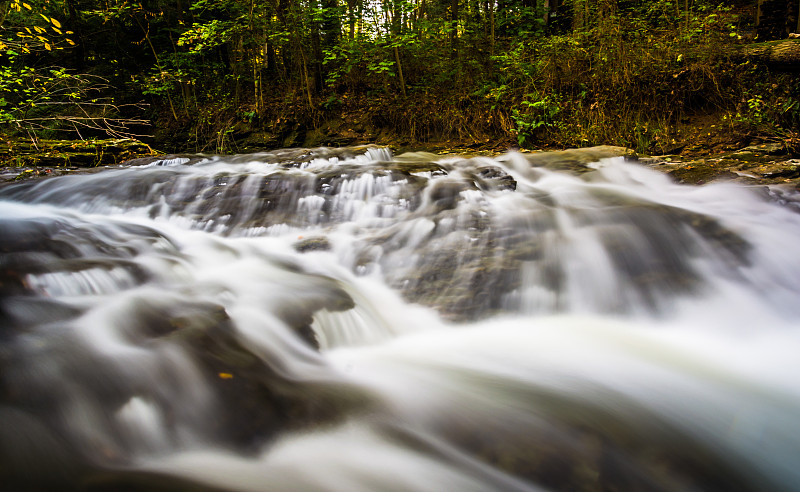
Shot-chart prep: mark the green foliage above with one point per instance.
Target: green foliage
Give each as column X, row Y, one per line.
column 346, row 63
column 769, row 102
column 42, row 101
column 535, row 113
column 600, row 71
column 204, row 36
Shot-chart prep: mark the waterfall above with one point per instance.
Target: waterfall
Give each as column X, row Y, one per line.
column 348, row 319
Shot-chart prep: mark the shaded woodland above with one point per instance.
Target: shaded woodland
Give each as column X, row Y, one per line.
column 241, row 75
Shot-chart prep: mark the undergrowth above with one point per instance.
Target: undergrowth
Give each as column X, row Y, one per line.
column 631, row 78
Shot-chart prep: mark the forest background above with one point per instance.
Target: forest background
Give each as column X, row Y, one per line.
column 245, row 75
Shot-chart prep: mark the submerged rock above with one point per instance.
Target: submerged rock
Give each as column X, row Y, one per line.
column 306, row 245
column 576, row 160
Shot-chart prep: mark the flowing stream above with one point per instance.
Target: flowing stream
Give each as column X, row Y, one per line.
column 349, row 320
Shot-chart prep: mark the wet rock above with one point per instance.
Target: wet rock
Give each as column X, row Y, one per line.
column 598, row 451
column 167, row 160
column 771, row 148
column 64, row 153
column 445, row 194
column 787, row 169
column 418, row 162
column 312, row 244
column 700, row 173
column 258, row 140
column 101, row 480
column 758, row 164
column 473, row 267
column 32, row 456
column 575, row 160
column 491, row 177
column 257, row 401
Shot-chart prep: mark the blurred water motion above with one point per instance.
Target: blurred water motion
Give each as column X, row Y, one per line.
column 346, row 319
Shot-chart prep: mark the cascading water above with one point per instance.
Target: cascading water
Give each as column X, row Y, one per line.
column 349, row 320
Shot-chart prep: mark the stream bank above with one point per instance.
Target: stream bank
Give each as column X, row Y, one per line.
column 704, row 151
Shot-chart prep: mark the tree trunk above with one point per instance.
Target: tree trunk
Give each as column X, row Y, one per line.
column 797, row 28
column 79, row 50
column 307, row 79
column 772, row 19
column 758, row 12
column 316, row 51
column 579, row 14
column 397, row 17
column 351, row 19
column 271, row 60
column 331, row 23
column 492, row 23
column 686, row 11
column 400, row 71
column 454, row 14
column 781, row 54
column 5, row 7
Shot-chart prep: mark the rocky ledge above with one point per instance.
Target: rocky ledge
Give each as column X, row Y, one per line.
column 23, row 158
column 764, row 164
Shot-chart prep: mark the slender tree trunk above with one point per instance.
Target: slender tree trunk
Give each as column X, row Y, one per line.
column 492, row 23
column 316, row 52
column 397, row 29
column 580, row 15
column 331, row 23
column 400, row 70
column 5, row 7
column 686, row 10
column 360, row 18
column 586, row 18
column 351, row 19
column 79, row 51
column 454, row 14
column 184, row 86
column 307, row 79
column 758, row 12
column 397, row 17
column 271, row 61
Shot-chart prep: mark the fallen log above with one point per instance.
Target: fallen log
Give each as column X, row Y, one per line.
column 783, row 54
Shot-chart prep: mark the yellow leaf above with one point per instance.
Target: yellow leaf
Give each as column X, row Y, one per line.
column 70, row 42
column 44, row 17
column 225, row 375
column 26, row 5
column 47, row 46
column 57, row 30
column 38, row 29
column 28, row 29
column 55, row 22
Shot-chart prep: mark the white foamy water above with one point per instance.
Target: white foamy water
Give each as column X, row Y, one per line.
column 344, row 322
